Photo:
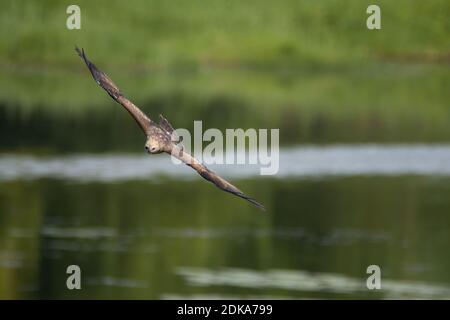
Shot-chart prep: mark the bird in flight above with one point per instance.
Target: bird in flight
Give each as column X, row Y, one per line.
column 161, row 136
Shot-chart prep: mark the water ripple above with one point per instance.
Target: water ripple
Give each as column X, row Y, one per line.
column 299, row 280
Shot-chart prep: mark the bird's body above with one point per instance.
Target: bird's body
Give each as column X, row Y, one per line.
column 161, row 137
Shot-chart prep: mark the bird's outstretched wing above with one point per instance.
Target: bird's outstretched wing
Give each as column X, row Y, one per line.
column 211, row 176
column 146, row 123
column 108, row 85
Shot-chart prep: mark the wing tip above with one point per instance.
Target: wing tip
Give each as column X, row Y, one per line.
column 257, row 204
column 80, row 52
column 82, row 55
column 98, row 75
column 252, row 201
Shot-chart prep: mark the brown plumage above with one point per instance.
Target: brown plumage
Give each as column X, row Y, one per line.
column 161, row 136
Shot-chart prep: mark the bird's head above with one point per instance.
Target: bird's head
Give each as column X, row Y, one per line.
column 153, row 146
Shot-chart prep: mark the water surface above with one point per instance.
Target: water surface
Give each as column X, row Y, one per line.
column 301, row 161
column 140, row 227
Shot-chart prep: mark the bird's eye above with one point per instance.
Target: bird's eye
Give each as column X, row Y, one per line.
column 146, row 148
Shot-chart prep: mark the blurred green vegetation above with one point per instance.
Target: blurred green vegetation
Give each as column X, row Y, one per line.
column 168, row 34
column 311, row 68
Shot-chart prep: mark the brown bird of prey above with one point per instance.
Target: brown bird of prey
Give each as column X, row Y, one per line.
column 161, row 136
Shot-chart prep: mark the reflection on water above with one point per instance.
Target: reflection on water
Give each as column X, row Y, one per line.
column 304, row 161
column 115, row 282
column 309, row 282
column 134, row 238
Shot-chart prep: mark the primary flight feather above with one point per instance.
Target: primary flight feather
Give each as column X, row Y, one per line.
column 161, row 136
